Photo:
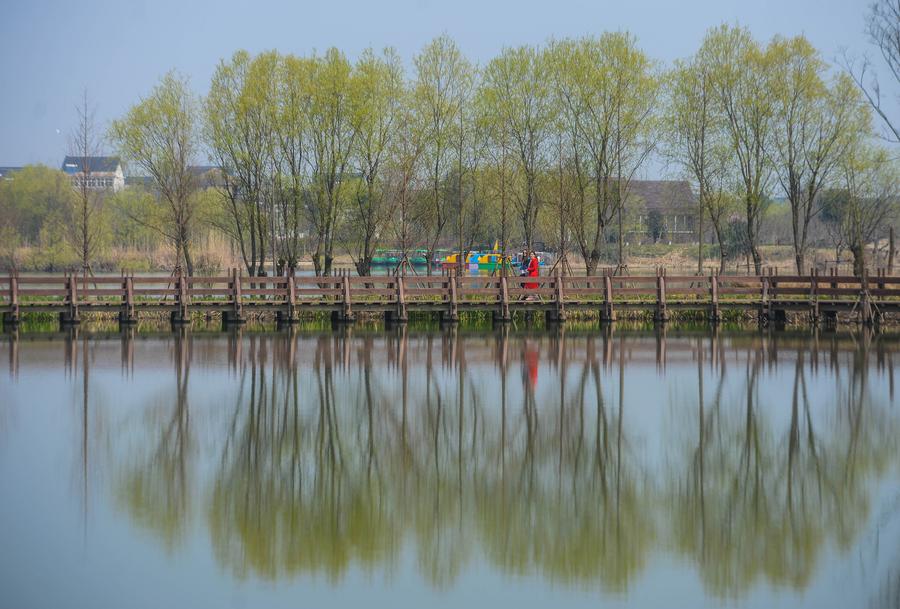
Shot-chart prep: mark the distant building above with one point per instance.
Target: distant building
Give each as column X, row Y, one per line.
column 666, row 211
column 207, row 176
column 6, row 172
column 97, row 172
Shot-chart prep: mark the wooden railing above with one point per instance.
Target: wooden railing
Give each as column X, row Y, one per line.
column 770, row 296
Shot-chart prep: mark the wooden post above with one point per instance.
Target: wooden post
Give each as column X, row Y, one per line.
column 13, row 316
column 814, row 296
column 347, row 311
column 714, row 315
column 560, row 297
column 661, row 313
column 504, row 299
column 454, row 308
column 127, row 316
column 764, row 300
column 180, row 315
column 891, row 252
column 71, row 314
column 235, row 314
column 402, row 315
column 608, row 313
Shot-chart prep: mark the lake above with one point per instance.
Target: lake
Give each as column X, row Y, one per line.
column 623, row 467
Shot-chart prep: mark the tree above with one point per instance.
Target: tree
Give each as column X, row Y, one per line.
column 496, row 154
column 239, row 129
column 331, row 142
column 814, row 123
column 517, row 89
column 442, row 74
column 883, row 28
column 291, row 153
column 743, row 84
column 402, row 179
column 867, row 199
column 608, row 91
column 159, row 134
column 697, row 140
column 377, row 90
column 84, row 229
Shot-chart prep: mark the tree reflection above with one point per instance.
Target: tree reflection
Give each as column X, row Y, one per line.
column 155, row 486
column 350, row 449
column 754, row 502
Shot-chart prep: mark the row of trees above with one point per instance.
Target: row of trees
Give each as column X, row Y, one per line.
column 544, row 139
column 542, row 143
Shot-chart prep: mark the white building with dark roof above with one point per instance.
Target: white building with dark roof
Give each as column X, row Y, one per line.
column 97, row 172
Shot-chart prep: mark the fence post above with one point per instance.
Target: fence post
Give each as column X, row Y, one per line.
column 71, row 314
column 504, row 299
column 12, row 317
column 454, row 308
column 402, row 315
column 764, row 300
column 714, row 315
column 661, row 313
column 127, row 315
column 608, row 313
column 814, row 296
column 560, row 297
column 179, row 315
column 347, row 311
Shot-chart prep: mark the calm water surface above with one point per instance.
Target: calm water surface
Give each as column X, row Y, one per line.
column 424, row 468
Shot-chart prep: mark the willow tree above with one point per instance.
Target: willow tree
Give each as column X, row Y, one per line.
column 516, row 87
column 608, row 91
column 377, row 88
column 497, row 157
column 442, row 75
column 332, row 137
column 696, row 140
column 743, row 83
column 291, row 151
column 402, row 179
column 815, row 122
column 160, row 135
column 239, row 130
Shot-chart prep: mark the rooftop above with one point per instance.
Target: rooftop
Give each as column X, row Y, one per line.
column 90, row 164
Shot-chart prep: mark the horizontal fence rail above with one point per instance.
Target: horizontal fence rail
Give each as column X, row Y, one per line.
column 867, row 299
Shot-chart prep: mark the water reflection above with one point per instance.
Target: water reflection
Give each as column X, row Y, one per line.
column 577, row 457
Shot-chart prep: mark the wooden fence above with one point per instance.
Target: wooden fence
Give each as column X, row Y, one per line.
column 770, row 296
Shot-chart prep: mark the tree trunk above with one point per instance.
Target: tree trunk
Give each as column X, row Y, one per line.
column 188, row 259
column 800, row 261
column 891, row 252
column 859, row 259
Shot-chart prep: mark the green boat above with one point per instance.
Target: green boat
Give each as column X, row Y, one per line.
column 391, row 258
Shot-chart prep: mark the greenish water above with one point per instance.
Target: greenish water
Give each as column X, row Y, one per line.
column 420, row 467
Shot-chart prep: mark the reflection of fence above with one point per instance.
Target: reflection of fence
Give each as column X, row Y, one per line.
column 770, row 296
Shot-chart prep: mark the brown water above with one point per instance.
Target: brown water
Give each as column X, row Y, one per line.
column 411, row 469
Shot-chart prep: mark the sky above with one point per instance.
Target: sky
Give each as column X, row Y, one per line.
column 53, row 51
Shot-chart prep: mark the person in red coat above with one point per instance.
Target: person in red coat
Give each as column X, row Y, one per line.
column 533, row 269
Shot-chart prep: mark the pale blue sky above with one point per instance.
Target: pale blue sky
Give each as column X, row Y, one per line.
column 52, row 50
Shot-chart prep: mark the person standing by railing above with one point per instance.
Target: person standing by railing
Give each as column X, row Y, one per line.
column 533, row 270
